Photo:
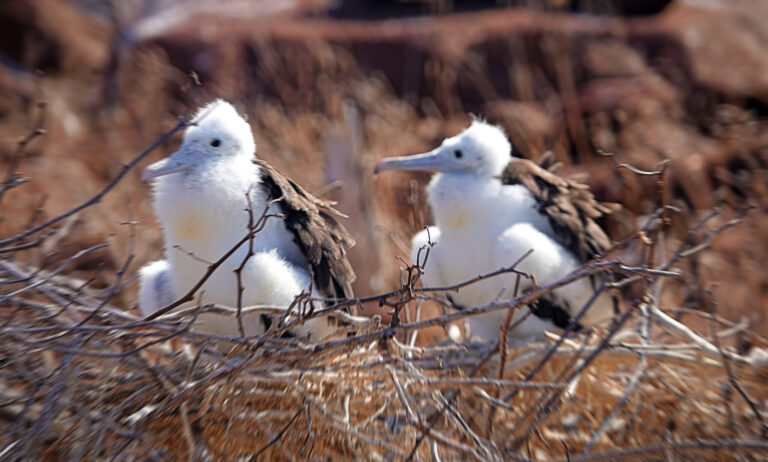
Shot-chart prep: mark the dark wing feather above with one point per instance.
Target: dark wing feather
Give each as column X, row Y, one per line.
column 570, row 206
column 316, row 231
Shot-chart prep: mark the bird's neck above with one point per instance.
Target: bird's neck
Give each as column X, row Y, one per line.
column 459, row 199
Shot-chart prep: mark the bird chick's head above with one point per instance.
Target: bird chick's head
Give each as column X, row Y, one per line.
column 217, row 134
column 482, row 149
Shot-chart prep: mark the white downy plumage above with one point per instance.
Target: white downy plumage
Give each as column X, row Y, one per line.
column 485, row 221
column 200, row 199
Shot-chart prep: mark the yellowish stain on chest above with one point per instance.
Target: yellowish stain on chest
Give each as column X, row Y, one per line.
column 455, row 220
column 189, row 227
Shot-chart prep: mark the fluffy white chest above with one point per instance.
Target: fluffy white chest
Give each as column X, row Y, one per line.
column 483, row 226
column 205, row 214
column 472, row 214
column 461, row 255
column 476, row 204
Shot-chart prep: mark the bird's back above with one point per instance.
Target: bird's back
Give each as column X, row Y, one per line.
column 315, row 229
column 569, row 206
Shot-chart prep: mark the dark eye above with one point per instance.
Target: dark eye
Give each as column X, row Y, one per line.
column 215, row 142
column 458, row 153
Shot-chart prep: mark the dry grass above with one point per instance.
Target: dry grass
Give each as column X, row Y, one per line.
column 105, row 389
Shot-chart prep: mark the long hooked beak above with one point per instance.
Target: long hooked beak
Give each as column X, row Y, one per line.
column 171, row 164
column 428, row 161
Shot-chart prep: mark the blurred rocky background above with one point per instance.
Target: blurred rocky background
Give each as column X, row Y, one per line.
column 330, row 87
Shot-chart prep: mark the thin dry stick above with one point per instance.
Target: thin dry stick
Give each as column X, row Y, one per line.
column 182, row 124
column 701, row 342
column 487, row 452
column 661, row 167
column 646, row 326
column 62, row 267
column 662, row 448
column 524, row 299
column 279, row 435
column 729, row 371
column 549, row 406
column 116, row 286
column 212, row 268
column 412, row 416
column 239, row 270
column 436, row 415
column 11, row 180
column 639, row 373
column 503, row 338
column 568, row 329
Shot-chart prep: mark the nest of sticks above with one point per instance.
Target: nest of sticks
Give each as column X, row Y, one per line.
column 114, row 387
column 83, row 379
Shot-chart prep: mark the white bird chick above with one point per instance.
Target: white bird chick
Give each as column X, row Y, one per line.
column 202, row 194
column 489, row 210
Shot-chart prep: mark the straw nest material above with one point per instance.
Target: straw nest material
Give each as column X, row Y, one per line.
column 92, row 382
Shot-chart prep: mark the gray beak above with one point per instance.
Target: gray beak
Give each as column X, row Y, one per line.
column 171, row 164
column 429, row 161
